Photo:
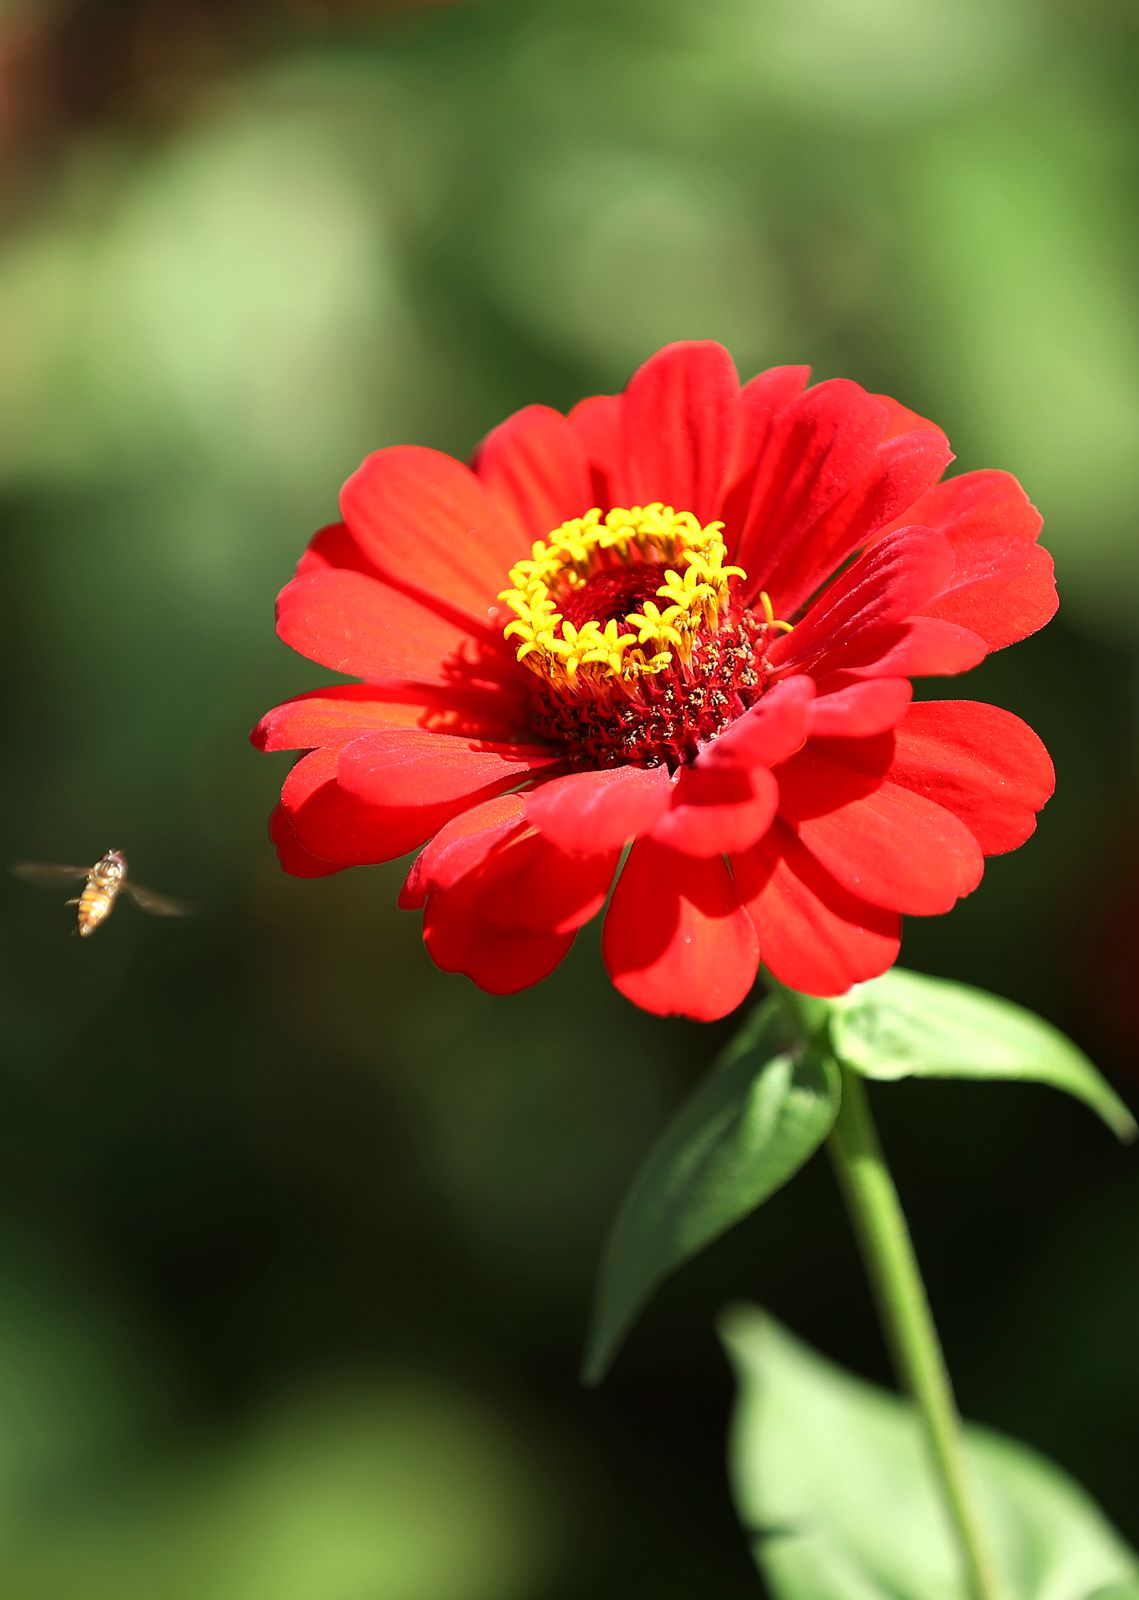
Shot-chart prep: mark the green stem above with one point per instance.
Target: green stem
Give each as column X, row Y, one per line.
column 888, row 1255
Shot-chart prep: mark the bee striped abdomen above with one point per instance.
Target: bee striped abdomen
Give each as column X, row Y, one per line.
column 94, row 907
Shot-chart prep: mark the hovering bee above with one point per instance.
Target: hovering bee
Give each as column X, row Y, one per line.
column 97, row 899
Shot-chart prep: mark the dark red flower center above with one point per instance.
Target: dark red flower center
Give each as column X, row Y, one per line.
column 613, row 594
column 633, row 630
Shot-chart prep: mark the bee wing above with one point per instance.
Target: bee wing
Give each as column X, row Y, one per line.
column 48, row 874
column 159, row 905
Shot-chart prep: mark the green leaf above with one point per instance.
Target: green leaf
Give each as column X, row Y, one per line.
column 750, row 1125
column 831, row 1483
column 904, row 1025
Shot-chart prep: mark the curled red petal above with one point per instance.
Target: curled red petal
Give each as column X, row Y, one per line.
column 460, row 846
column 1003, row 587
column 819, row 447
column 828, row 478
column 679, row 417
column 884, row 843
column 525, row 883
column 867, row 603
column 903, row 468
column 332, row 825
column 536, row 473
column 979, row 762
column 499, row 960
column 770, row 732
column 426, row 522
column 584, row 812
column 718, row 808
column 815, row 935
column 920, row 648
column 530, row 884
column 677, row 940
column 900, row 419
column 294, row 858
column 854, row 708
column 976, row 505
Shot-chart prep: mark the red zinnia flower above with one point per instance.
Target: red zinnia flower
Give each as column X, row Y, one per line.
column 683, row 618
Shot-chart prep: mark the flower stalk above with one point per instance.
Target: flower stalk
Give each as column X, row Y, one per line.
column 903, row 1308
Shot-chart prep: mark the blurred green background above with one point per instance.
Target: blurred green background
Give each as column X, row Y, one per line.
column 296, row 1233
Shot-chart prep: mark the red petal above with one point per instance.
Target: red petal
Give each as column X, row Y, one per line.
column 585, row 812
column 1003, row 588
column 529, row 884
column 292, row 855
column 534, row 469
column 762, row 399
column 524, row 882
column 827, row 480
column 820, row 446
column 679, row 429
column 904, row 468
column 337, row 715
column 428, row 524
column 921, row 648
column 500, row 960
column 882, row 589
column 883, row 842
column 363, row 627
column 849, row 708
column 596, row 422
column 461, row 846
column 408, row 767
column 335, row 547
column 976, row 505
column 981, row 763
column 396, row 788
column 814, row 935
column 774, row 728
column 330, row 824
column 676, row 939
column 902, row 419
column 715, row 809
